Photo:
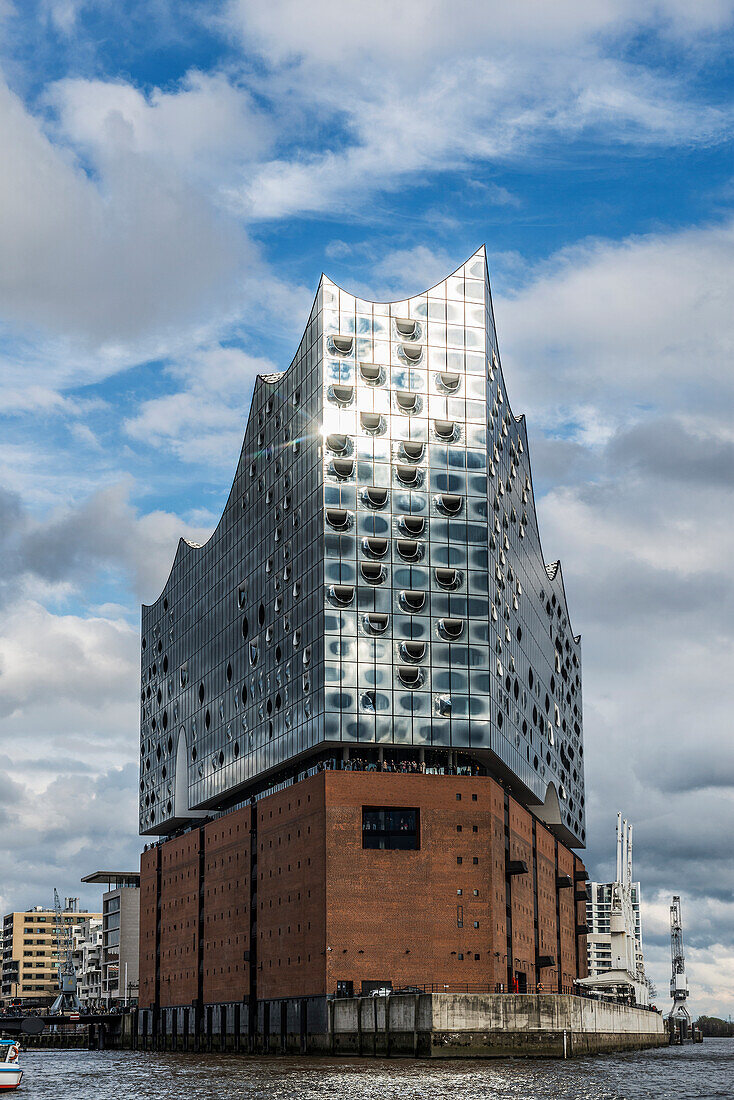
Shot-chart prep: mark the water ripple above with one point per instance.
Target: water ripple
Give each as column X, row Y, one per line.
column 702, row 1072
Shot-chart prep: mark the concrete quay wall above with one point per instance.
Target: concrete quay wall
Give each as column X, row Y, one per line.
column 423, row 1025
column 445, row 1025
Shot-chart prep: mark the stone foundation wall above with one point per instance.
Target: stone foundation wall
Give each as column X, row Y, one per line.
column 409, row 1025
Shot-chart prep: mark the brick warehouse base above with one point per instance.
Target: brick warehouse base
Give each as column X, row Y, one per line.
column 287, row 899
column 404, row 1025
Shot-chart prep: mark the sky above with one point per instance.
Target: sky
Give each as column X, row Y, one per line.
column 175, row 176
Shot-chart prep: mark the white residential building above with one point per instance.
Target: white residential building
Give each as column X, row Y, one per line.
column 598, row 911
column 88, row 960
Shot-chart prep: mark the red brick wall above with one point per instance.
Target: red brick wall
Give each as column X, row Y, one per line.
column 227, row 907
column 496, row 855
column 329, row 910
column 580, row 888
column 545, row 848
column 291, row 891
column 146, row 991
column 179, row 919
column 567, row 909
column 523, row 912
column 392, row 915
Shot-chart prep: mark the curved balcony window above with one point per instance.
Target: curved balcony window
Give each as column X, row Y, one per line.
column 407, row 402
column 412, row 651
column 372, row 374
column 343, row 467
column 412, row 353
column 407, row 328
column 368, row 701
column 413, row 526
column 341, row 395
column 374, row 548
column 412, row 600
column 448, row 578
column 449, row 503
column 338, row 444
column 371, row 572
column 410, row 550
column 340, row 345
column 412, row 451
column 448, row 381
column 242, row 596
column 451, row 629
column 411, row 677
column 372, row 423
column 409, row 475
column 442, row 704
column 254, row 653
column 446, row 430
column 341, row 594
column 375, row 496
column 338, row 518
column 375, row 623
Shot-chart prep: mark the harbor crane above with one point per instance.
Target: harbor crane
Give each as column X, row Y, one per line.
column 67, row 1000
column 679, row 1014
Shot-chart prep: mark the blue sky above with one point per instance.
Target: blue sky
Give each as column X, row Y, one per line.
column 174, row 179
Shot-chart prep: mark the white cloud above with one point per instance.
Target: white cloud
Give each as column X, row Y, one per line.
column 101, row 535
column 414, row 34
column 121, row 262
column 421, row 88
column 51, row 661
column 203, row 420
column 204, row 127
column 71, row 835
column 618, row 327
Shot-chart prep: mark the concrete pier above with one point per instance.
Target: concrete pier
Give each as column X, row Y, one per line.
column 465, row 1025
column 422, row 1025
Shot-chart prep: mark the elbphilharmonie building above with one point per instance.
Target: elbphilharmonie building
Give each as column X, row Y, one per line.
column 375, row 589
column 361, row 698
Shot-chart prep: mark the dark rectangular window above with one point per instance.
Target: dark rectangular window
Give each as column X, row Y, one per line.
column 389, row 827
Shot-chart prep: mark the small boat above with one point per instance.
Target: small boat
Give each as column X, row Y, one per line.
column 10, row 1072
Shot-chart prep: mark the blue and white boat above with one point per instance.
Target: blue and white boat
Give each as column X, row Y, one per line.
column 10, row 1072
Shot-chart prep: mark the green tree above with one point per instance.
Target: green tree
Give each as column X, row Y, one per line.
column 715, row 1028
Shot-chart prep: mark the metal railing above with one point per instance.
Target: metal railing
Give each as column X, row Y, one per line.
column 498, row 987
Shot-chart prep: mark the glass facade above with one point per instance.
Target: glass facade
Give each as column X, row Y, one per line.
column 376, row 578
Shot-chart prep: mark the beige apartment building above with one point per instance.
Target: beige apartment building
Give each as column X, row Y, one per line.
column 30, row 953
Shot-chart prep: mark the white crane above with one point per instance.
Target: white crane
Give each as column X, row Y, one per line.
column 679, row 1013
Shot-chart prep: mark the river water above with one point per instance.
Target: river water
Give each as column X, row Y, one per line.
column 701, row 1072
